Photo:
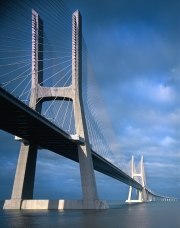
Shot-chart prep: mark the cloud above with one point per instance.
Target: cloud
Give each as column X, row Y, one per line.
column 168, row 141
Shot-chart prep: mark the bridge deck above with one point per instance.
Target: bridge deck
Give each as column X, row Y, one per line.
column 22, row 121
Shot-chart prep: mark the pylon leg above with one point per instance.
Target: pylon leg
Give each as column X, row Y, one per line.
column 24, row 178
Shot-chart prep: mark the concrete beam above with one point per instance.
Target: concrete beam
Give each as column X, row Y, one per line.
column 49, row 93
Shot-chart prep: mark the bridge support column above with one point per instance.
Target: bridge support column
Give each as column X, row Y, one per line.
column 89, row 189
column 24, row 177
column 130, row 193
column 138, row 195
column 25, row 172
column 144, row 194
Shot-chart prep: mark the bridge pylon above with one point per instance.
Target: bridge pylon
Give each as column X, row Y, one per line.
column 141, row 195
column 22, row 193
column 25, row 171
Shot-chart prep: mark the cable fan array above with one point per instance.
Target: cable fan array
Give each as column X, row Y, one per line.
column 55, row 58
column 136, row 170
column 100, row 130
column 16, row 50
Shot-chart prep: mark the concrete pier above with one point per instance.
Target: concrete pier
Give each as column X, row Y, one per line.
column 25, row 173
column 22, row 195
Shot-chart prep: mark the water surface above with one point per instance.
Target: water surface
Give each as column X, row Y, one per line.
column 120, row 214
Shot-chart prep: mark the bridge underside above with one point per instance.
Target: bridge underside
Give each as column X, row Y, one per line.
column 22, row 121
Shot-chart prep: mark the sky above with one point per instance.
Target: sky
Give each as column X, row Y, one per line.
column 135, row 51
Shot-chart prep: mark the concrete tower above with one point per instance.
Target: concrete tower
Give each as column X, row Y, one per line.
column 22, row 194
column 141, row 195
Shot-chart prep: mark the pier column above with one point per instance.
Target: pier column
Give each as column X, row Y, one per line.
column 89, row 188
column 138, row 195
column 25, row 172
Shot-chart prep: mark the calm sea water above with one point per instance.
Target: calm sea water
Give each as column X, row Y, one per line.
column 120, row 214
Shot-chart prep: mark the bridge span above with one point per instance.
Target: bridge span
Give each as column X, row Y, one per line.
column 23, row 121
column 35, row 129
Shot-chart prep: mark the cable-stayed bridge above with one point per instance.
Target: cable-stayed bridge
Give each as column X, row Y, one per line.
column 50, row 99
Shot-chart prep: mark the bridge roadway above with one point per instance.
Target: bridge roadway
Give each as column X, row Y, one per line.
column 19, row 119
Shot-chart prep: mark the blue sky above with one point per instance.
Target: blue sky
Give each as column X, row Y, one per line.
column 134, row 47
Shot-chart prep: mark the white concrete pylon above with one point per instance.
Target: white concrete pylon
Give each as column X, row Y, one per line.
column 25, row 172
column 140, row 195
column 24, row 179
column 89, row 188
